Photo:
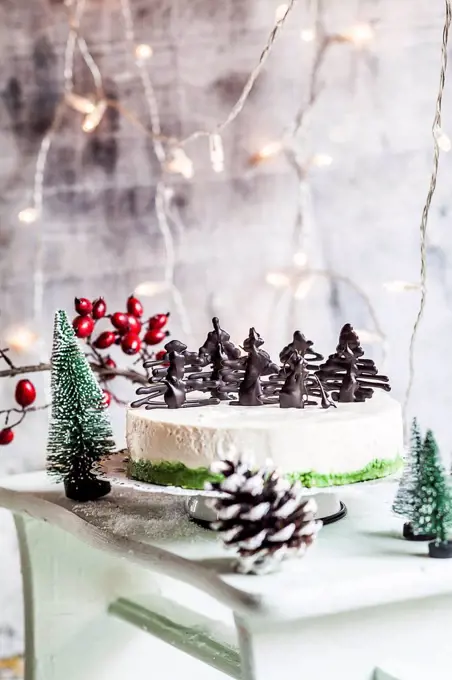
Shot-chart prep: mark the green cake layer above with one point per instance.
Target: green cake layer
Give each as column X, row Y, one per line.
column 168, row 473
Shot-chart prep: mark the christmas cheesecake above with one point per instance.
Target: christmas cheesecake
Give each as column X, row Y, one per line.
column 321, row 423
column 322, row 447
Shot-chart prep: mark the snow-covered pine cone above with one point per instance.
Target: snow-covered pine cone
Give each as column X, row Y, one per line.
column 262, row 515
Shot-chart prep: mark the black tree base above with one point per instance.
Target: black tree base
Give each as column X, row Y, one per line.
column 411, row 536
column 84, row 490
column 440, row 550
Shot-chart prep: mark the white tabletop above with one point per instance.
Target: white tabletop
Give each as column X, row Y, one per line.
column 360, row 561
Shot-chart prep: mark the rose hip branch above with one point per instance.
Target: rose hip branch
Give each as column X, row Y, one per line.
column 129, row 331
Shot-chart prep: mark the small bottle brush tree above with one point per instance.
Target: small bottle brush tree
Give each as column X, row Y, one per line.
column 432, row 506
column 80, row 433
column 409, row 486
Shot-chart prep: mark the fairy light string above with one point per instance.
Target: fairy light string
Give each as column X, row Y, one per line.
column 169, row 150
column 91, row 64
column 161, row 196
column 426, row 210
column 295, row 281
column 254, row 75
column 145, row 80
column 34, row 213
column 29, row 215
column 295, row 140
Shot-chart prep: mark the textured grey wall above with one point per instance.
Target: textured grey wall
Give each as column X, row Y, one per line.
column 99, row 230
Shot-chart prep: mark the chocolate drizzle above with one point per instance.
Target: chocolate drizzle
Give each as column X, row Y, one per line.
column 219, row 368
column 173, row 386
column 216, row 350
column 304, row 348
column 346, row 375
column 294, row 393
column 244, row 375
column 296, row 384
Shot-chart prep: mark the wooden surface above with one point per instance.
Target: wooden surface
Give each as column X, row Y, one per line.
column 108, row 583
column 360, row 561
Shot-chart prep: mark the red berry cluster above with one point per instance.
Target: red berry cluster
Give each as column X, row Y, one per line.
column 25, row 396
column 129, row 331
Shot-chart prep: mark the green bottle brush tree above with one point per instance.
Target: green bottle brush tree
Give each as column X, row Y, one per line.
column 407, row 492
column 424, row 496
column 80, row 433
column 432, row 512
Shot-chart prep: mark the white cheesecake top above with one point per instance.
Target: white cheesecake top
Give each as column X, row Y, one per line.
column 226, row 415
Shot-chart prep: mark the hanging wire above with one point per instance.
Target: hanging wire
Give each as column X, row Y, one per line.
column 426, row 210
column 41, row 163
column 254, row 75
column 161, row 210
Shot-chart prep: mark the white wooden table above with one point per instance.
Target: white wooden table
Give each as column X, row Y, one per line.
column 107, row 584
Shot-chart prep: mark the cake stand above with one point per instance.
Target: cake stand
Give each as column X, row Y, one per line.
column 330, row 507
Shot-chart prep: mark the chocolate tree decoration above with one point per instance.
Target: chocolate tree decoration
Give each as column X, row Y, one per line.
column 432, row 503
column 293, row 393
column 304, row 347
column 349, row 384
column 160, row 366
column 217, row 349
column 218, row 339
column 261, row 515
column 299, row 385
column 80, row 433
column 295, row 385
column 409, row 486
column 348, row 337
column 243, row 375
column 173, row 387
column 346, row 375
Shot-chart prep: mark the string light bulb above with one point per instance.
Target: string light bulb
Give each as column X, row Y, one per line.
column 216, row 152
column 93, row 119
column 78, row 103
column 28, row 215
column 400, row 286
column 151, row 288
column 281, row 12
column 277, row 279
column 322, row 160
column 442, row 139
column 268, row 151
column 20, row 338
column 143, row 51
column 360, row 34
column 307, row 35
column 180, row 163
